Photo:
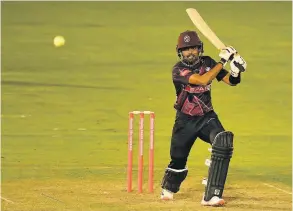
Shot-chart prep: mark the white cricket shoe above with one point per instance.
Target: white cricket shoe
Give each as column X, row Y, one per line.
column 215, row 201
column 166, row 195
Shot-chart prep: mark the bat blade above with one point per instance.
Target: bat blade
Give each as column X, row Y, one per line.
column 202, row 26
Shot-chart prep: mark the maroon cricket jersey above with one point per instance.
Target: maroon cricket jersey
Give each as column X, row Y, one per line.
column 194, row 100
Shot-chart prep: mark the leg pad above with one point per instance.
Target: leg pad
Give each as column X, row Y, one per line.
column 173, row 179
column 222, row 149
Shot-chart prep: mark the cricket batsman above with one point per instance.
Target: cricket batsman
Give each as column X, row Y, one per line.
column 196, row 118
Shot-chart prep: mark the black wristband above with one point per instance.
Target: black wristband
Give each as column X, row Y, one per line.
column 235, row 80
column 223, row 62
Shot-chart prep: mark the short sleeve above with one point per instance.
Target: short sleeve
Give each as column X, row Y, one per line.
column 181, row 75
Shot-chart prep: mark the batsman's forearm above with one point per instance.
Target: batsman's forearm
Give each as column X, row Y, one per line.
column 207, row 77
column 211, row 75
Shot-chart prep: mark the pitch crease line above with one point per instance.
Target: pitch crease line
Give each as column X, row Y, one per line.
column 7, row 200
column 266, row 184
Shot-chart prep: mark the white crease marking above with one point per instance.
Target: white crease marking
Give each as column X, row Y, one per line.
column 266, row 184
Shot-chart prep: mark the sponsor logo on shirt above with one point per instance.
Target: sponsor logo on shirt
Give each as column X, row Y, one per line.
column 198, row 89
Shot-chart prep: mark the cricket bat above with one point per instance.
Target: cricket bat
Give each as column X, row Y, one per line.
column 204, row 28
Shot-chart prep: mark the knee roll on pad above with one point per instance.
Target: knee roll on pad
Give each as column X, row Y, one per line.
column 222, row 146
column 173, row 179
column 222, row 149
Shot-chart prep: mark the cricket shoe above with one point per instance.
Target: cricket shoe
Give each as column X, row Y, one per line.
column 215, row 201
column 166, row 195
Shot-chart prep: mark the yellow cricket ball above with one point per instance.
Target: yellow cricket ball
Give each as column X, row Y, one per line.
column 59, row 41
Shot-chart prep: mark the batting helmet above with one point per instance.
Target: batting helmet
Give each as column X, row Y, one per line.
column 189, row 39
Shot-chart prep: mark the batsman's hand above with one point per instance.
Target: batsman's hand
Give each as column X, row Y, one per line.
column 226, row 54
column 238, row 64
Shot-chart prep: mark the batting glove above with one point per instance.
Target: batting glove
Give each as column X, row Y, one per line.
column 238, row 64
column 226, row 54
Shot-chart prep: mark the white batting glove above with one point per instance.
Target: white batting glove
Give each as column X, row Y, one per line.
column 238, row 64
column 226, row 54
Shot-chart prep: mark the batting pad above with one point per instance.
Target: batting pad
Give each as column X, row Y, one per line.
column 222, row 150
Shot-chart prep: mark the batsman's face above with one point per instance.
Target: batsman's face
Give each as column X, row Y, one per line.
column 190, row 54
